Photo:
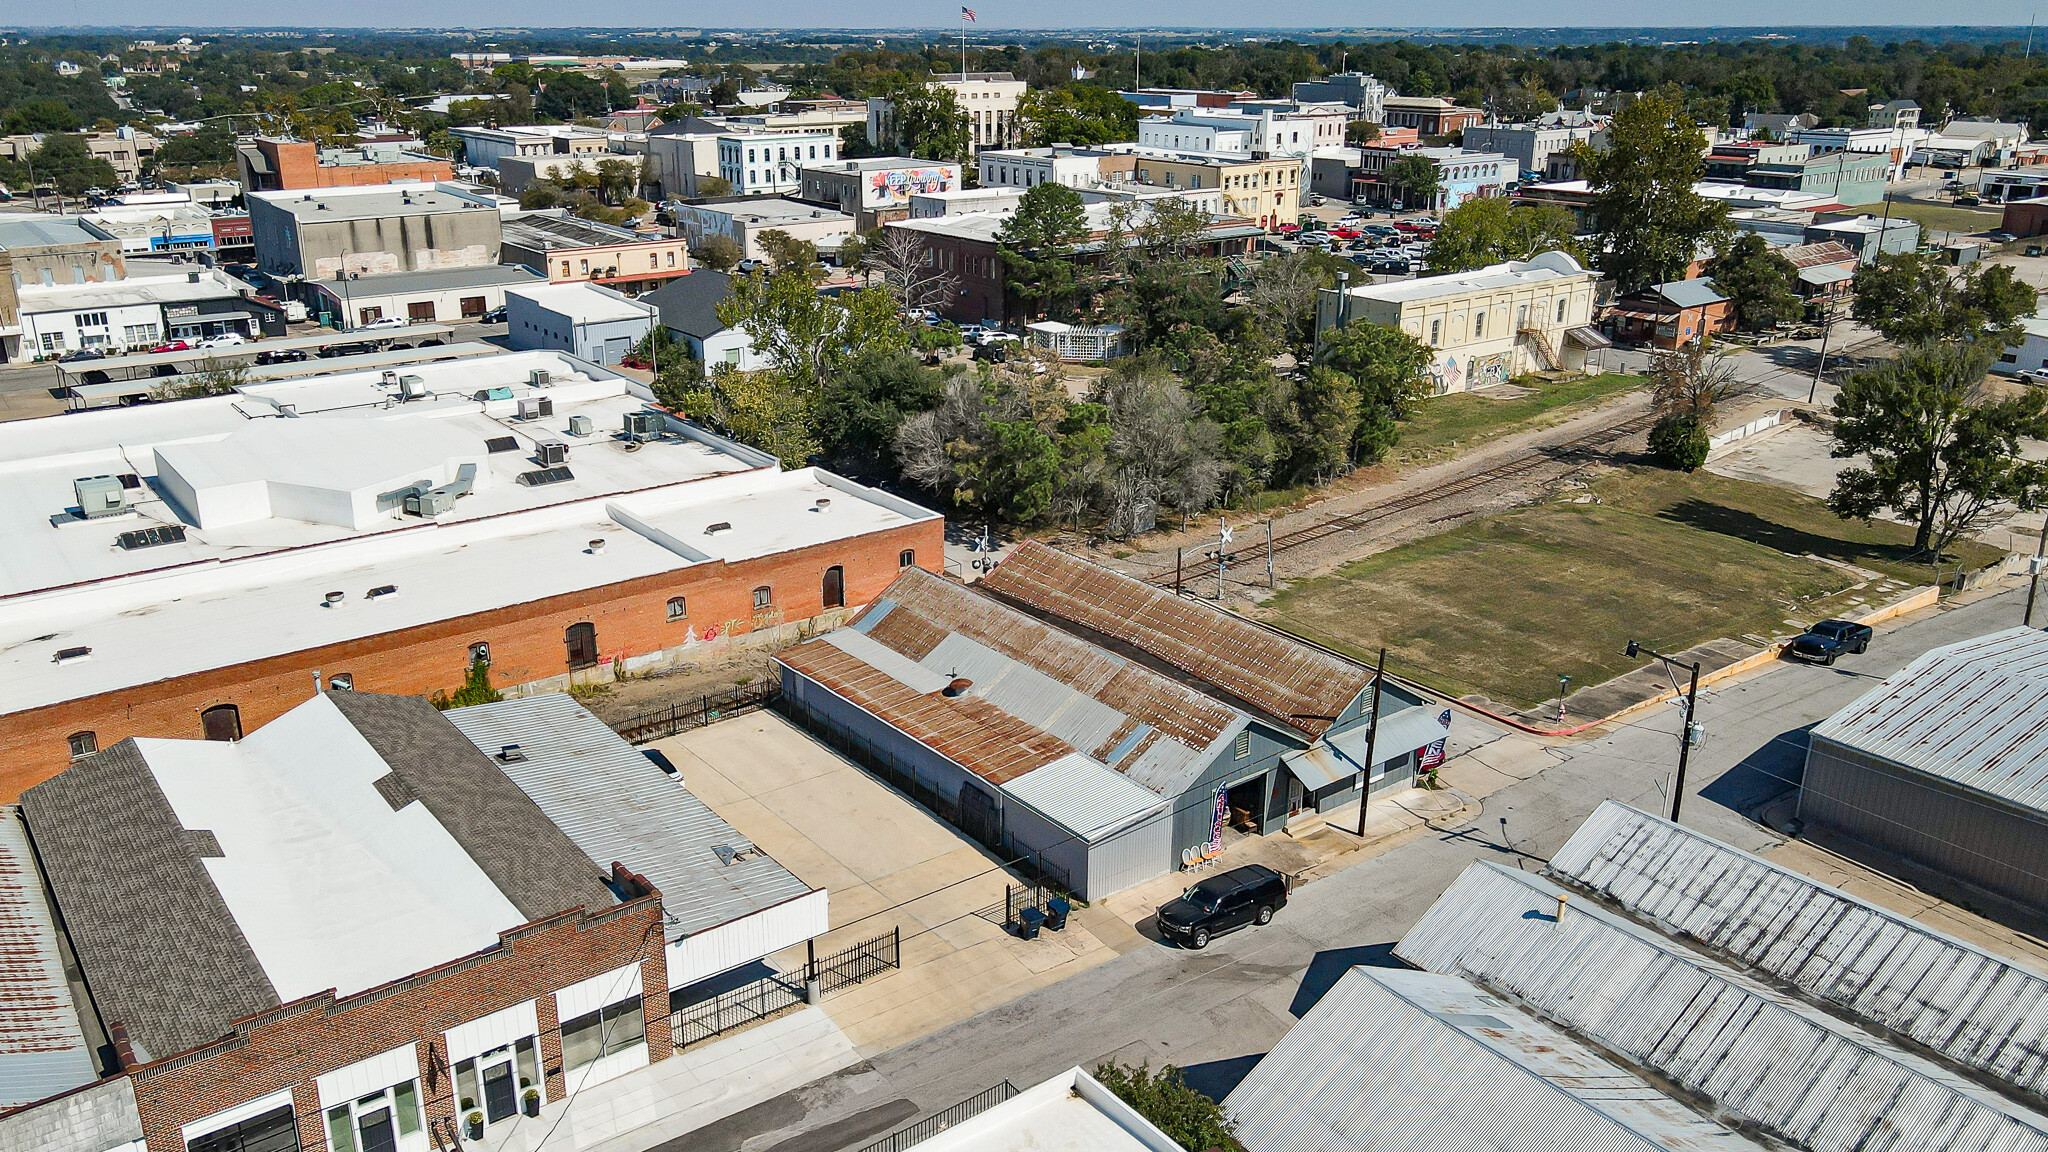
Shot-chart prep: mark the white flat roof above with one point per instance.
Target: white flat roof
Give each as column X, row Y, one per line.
column 121, row 293
column 280, row 517
column 1513, row 274
column 331, row 887
column 1069, row 1113
column 583, row 303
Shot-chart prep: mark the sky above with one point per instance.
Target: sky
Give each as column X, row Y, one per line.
column 995, row 15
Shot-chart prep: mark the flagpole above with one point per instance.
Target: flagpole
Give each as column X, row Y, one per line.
column 963, row 46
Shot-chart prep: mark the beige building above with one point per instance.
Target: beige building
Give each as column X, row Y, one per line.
column 1487, row 326
column 989, row 99
column 1267, row 191
column 124, row 149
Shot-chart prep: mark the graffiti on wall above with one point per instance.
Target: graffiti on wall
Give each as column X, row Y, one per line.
column 1490, row 370
column 899, row 185
column 1444, row 375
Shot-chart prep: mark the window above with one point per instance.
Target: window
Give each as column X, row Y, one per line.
column 654, row 259
column 1436, row 331
column 1479, row 325
column 671, row 259
column 84, row 744
column 906, row 558
column 221, row 722
column 565, row 267
column 678, row 608
column 133, row 334
column 594, row 1035
column 581, row 641
column 834, row 592
column 764, row 598
column 53, row 341
column 374, row 1123
column 583, row 266
column 89, row 319
column 273, row 1131
column 1560, row 311
column 750, row 155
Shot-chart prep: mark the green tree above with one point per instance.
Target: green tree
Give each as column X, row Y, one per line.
column 868, row 400
column 1037, row 244
column 1916, row 299
column 758, row 408
column 209, row 151
column 1939, row 458
column 42, row 115
column 1762, row 285
column 1361, row 132
column 1080, row 114
column 1317, row 425
column 1679, row 441
column 1489, row 230
column 1691, row 382
column 1418, row 180
column 806, row 337
column 786, row 253
column 1388, row 366
column 476, row 689
column 62, row 162
column 1643, row 198
column 720, row 253
column 1013, row 477
column 1194, row 1121
column 925, row 121
column 1282, row 295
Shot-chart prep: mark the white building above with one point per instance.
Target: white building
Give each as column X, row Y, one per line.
column 1069, row 1113
column 770, row 163
column 1357, row 89
column 744, row 220
column 138, row 312
column 2031, row 353
column 989, row 100
column 998, row 200
column 1267, row 132
column 483, row 147
column 1488, row 326
column 1030, row 167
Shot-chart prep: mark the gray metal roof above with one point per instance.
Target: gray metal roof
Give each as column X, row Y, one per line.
column 1965, row 1004
column 1370, row 1065
column 44, row 231
column 1974, row 714
column 436, row 280
column 545, row 233
column 1689, row 293
column 617, row 806
column 1084, row 797
column 42, row 1047
column 1763, row 1058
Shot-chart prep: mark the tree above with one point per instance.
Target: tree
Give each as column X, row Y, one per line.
column 1282, row 294
column 1013, row 477
column 476, row 689
column 1317, row 425
column 758, row 408
column 1037, row 244
column 868, row 400
column 42, row 115
column 215, row 377
column 1939, row 458
column 569, row 95
column 720, row 253
column 1914, row 299
column 786, row 253
column 1762, row 285
column 1488, row 230
column 618, row 180
column 1194, row 1121
column 1417, row 178
column 1361, row 132
column 1080, row 114
column 209, row 151
column 1690, row 381
column 806, row 337
column 1680, row 442
column 713, row 186
column 1643, row 199
column 925, row 121
column 62, row 162
column 910, row 274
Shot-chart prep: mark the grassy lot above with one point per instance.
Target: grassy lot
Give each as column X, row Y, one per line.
column 1446, row 425
column 1501, row 607
column 1934, row 217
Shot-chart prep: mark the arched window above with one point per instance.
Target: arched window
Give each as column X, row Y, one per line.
column 84, row 744
column 1478, row 325
column 221, row 722
column 678, row 608
column 835, row 587
column 906, row 558
column 763, row 598
column 581, row 640
column 1560, row 311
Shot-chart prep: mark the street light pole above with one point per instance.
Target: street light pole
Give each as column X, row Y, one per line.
column 1686, row 729
column 2034, row 576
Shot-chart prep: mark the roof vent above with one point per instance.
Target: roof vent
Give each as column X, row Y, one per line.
column 68, row 655
column 334, row 599
column 511, row 754
column 721, row 526
column 959, row 686
column 824, row 504
column 597, row 546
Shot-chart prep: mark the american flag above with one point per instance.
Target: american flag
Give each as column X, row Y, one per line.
column 968, row 14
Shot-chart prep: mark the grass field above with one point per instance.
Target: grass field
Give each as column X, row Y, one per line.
column 1445, row 425
column 1503, row 606
column 1933, row 217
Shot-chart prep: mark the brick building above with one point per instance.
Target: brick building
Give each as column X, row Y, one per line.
column 493, row 966
column 1672, row 315
column 267, row 164
column 187, row 569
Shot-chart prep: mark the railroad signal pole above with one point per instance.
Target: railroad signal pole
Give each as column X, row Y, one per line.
column 1689, row 733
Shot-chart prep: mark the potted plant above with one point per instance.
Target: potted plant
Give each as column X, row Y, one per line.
column 474, row 1125
column 533, row 1101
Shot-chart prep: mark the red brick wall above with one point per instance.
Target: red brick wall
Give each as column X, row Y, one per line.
column 526, row 645
column 297, row 165
column 288, row 1047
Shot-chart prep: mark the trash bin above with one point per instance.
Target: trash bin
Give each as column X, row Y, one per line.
column 1028, row 922
column 1056, row 910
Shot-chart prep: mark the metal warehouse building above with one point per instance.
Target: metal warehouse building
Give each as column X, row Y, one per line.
column 1104, row 728
column 1946, row 764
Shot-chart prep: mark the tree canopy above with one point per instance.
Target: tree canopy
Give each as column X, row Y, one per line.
column 1919, row 299
column 1643, row 199
column 1489, row 230
column 1761, row 284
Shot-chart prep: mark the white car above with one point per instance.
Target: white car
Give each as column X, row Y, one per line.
column 994, row 337
column 972, row 333
column 224, row 340
column 382, row 323
column 1350, row 218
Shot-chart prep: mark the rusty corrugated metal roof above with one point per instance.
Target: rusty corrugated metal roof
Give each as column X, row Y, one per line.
column 1300, row 685
column 42, row 1047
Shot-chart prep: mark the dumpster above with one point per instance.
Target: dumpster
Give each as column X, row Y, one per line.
column 1028, row 923
column 1056, row 910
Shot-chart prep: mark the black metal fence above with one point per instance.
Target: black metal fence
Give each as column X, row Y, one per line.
column 707, row 708
column 984, row 825
column 938, row 1122
column 698, row 1022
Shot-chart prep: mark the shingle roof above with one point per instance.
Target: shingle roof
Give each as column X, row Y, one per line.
column 689, row 304
column 1299, row 685
column 533, row 862
column 160, row 950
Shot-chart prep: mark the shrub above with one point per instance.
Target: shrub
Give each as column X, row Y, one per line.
column 1679, row 442
column 1195, row 1122
column 476, row 689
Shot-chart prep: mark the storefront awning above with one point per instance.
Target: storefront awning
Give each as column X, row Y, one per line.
column 1587, row 336
column 1338, row 757
column 1823, row 274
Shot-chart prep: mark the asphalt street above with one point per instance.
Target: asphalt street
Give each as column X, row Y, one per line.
column 1215, row 1012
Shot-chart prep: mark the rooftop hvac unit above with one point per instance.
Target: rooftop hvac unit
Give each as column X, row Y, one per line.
column 430, row 501
column 551, row 453
column 539, row 378
column 581, row 426
column 390, row 378
column 412, row 387
column 101, row 496
column 642, row 426
column 536, row 408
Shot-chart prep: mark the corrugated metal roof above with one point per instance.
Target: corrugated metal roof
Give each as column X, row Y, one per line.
column 1084, row 797
column 1763, row 1058
column 1333, row 757
column 1689, row 293
column 1301, row 686
column 1974, row 714
column 1026, row 693
column 42, row 1047
column 913, row 675
column 1399, row 1061
column 616, row 805
column 1969, row 1006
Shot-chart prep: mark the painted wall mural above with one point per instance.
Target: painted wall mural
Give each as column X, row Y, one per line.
column 1445, row 374
column 898, row 185
column 1490, row 370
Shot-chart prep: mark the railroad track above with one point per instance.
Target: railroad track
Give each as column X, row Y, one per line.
column 1508, row 470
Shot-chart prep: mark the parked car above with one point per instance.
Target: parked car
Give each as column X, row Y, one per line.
column 172, row 346
column 1285, row 226
column 224, row 340
column 281, row 356
column 1968, row 201
column 1223, row 903
column 999, row 337
column 1315, row 200
column 494, row 316
column 1351, row 218
column 382, row 324
column 972, row 333
column 81, row 354
column 1829, row 639
column 333, row 350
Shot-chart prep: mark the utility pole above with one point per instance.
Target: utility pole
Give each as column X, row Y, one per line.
column 1689, row 730
column 1372, row 736
column 1269, row 550
column 2034, row 572
column 1827, row 321
column 1176, row 572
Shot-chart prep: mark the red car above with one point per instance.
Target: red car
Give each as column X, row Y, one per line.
column 1286, row 227
column 1345, row 233
column 173, row 346
column 1410, row 226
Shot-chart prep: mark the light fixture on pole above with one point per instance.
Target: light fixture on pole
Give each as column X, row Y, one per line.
column 1689, row 733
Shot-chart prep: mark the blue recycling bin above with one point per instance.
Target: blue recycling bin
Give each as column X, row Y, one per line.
column 1028, row 923
column 1056, row 910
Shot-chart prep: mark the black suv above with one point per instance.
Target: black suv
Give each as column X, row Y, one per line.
column 1223, row 903
column 1829, row 639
